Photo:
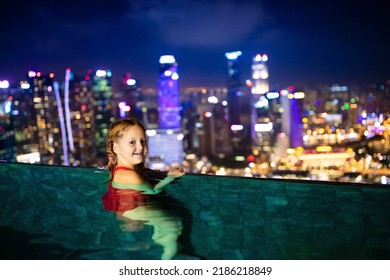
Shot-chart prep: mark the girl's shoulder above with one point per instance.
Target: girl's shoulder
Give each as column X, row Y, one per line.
column 127, row 176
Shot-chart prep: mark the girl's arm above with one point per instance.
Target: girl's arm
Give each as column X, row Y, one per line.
column 132, row 180
column 172, row 175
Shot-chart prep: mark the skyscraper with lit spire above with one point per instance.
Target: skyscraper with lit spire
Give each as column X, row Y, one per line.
column 263, row 117
column 166, row 142
column 260, row 74
column 168, row 93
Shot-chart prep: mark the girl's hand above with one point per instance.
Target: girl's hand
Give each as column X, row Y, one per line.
column 177, row 172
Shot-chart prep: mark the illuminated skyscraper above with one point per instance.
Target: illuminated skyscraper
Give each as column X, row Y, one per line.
column 166, row 142
column 104, row 110
column 260, row 74
column 128, row 99
column 291, row 117
column 168, row 93
column 261, row 104
column 296, row 123
column 55, row 121
column 82, row 122
column 7, row 138
column 234, row 80
column 239, row 109
column 205, row 122
column 265, row 121
column 265, row 109
column 25, row 125
column 45, row 115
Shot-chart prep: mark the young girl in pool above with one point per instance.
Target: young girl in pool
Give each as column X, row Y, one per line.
column 127, row 148
column 129, row 192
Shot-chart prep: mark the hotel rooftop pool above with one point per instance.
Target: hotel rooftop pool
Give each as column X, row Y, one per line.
column 56, row 212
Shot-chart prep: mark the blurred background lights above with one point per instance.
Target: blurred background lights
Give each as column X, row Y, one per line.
column 237, row 127
column 272, row 95
column 151, row 132
column 212, row 100
column 4, row 84
column 263, row 127
column 131, row 82
column 208, row 114
column 24, row 85
column 167, row 59
column 101, row 73
column 175, row 76
column 233, row 55
column 299, row 95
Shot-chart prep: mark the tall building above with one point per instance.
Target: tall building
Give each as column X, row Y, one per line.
column 291, row 101
column 239, row 108
column 206, row 132
column 7, row 137
column 267, row 123
column 82, row 145
column 168, row 93
column 39, row 137
column 260, row 74
column 128, row 98
column 104, row 110
column 42, row 115
column 25, row 124
column 63, row 122
column 166, row 141
column 263, row 108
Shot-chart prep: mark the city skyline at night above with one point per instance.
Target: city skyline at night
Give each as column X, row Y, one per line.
column 334, row 127
column 322, row 42
column 242, row 111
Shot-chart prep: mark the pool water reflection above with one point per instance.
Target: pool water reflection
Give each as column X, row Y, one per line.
column 158, row 218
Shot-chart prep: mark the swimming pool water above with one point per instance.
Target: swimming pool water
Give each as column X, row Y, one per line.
column 52, row 212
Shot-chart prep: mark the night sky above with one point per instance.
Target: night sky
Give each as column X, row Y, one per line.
column 307, row 41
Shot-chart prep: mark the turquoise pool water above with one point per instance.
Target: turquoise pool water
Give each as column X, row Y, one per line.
column 49, row 212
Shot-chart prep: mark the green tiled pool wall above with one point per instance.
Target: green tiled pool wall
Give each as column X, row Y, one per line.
column 53, row 198
column 292, row 219
column 232, row 217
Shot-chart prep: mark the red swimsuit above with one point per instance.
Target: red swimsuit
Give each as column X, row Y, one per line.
column 121, row 200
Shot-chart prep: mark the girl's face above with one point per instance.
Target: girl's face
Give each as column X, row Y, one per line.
column 132, row 148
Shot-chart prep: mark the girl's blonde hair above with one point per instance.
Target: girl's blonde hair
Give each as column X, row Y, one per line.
column 115, row 132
